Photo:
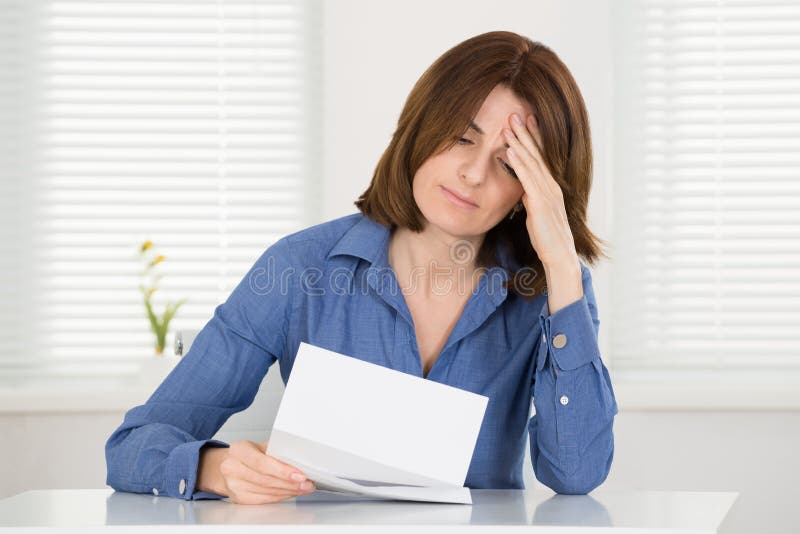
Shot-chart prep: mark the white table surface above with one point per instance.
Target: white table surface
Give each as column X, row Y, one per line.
column 632, row 512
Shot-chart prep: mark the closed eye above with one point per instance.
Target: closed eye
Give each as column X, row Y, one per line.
column 505, row 165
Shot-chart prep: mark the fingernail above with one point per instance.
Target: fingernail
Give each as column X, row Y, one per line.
column 516, row 119
column 306, row 485
column 298, row 477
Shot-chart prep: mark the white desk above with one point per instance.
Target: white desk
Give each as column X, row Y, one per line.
column 631, row 512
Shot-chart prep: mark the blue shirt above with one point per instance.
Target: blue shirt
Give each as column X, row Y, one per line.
column 331, row 285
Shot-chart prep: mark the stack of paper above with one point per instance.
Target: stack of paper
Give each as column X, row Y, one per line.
column 360, row 428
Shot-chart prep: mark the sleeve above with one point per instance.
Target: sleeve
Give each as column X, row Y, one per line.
column 571, row 434
column 157, row 447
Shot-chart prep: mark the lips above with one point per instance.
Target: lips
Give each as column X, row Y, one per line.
column 460, row 197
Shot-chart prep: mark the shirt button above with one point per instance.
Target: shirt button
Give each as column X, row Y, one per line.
column 559, row 341
column 155, row 491
column 564, row 400
column 182, row 486
column 544, row 339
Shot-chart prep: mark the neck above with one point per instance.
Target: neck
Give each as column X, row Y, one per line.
column 430, row 260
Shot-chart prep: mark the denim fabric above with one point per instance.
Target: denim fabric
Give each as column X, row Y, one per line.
column 331, row 285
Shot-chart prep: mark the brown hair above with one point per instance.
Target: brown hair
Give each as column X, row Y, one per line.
column 439, row 109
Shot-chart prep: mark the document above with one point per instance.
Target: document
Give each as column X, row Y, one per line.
column 360, row 428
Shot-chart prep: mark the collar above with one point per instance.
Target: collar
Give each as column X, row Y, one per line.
column 369, row 240
column 363, row 240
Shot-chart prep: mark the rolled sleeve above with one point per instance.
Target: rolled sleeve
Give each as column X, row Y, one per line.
column 572, row 442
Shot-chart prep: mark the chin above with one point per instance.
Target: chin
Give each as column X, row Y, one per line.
column 458, row 227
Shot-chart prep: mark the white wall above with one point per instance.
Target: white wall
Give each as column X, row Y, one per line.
column 374, row 51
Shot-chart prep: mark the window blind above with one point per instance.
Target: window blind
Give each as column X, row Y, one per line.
column 188, row 123
column 706, row 217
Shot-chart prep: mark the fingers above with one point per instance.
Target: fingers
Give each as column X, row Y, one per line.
column 243, row 486
column 245, row 472
column 523, row 136
column 247, row 466
column 533, row 128
column 245, row 493
column 256, row 459
column 527, row 141
column 279, row 469
column 521, row 165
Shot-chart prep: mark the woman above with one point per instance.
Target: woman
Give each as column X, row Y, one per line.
column 481, row 220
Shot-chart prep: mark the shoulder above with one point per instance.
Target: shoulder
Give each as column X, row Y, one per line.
column 311, row 245
column 328, row 232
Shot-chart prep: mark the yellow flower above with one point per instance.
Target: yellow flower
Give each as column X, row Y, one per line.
column 158, row 259
column 146, row 245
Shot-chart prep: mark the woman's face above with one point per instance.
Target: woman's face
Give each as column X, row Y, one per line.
column 476, row 168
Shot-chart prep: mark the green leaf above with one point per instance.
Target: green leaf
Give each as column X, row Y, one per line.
column 151, row 316
column 171, row 310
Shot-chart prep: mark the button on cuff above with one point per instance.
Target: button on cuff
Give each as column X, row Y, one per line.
column 573, row 336
column 180, row 471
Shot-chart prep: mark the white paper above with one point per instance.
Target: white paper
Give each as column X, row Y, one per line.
column 361, row 428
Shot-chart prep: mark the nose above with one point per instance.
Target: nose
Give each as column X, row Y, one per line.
column 473, row 171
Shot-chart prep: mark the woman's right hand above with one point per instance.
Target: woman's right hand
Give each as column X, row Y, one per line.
column 253, row 477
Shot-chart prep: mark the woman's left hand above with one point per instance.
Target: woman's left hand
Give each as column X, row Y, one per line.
column 547, row 224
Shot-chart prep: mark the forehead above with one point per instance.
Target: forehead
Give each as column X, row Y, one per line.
column 498, row 105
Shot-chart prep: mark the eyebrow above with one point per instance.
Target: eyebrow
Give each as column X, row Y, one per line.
column 478, row 129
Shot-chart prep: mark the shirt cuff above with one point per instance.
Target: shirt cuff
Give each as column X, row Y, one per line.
column 180, row 472
column 569, row 335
